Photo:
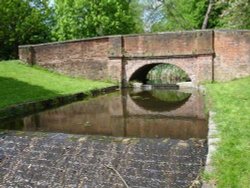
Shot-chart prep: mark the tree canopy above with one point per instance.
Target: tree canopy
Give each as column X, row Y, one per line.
column 84, row 18
column 235, row 15
column 23, row 22
column 171, row 15
column 37, row 21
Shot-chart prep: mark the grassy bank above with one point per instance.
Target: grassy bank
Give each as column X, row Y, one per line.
column 21, row 83
column 231, row 102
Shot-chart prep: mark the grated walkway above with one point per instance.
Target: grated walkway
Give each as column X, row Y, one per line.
column 62, row 160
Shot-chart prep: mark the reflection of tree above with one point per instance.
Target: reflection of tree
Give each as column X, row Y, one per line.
column 170, row 96
column 124, row 93
column 160, row 100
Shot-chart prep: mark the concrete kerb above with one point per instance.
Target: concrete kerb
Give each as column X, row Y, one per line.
column 213, row 141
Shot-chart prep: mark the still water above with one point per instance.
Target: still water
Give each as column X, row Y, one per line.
column 154, row 113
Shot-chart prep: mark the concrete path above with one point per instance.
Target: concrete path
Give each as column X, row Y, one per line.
column 62, row 160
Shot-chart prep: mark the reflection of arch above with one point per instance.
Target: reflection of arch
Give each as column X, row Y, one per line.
column 153, row 101
column 193, row 107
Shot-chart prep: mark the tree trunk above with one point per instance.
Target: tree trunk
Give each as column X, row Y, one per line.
column 209, row 9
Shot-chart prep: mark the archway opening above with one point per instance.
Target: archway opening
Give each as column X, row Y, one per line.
column 159, row 73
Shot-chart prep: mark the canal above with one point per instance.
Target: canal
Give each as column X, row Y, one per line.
column 153, row 138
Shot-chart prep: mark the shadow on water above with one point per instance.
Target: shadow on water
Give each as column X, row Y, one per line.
column 153, row 114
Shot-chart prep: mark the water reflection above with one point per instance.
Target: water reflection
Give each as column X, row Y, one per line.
column 159, row 100
column 154, row 114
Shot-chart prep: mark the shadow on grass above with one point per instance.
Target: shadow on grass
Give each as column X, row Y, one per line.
column 13, row 91
column 18, row 99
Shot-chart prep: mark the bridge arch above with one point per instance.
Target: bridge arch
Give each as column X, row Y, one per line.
column 138, row 70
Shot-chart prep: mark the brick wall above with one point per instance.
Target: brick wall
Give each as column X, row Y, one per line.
column 83, row 58
column 204, row 55
column 169, row 44
column 232, row 58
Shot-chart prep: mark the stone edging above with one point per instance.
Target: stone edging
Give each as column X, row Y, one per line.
column 213, row 140
column 37, row 106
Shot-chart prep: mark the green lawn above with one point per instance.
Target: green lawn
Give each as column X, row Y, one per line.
column 22, row 83
column 231, row 102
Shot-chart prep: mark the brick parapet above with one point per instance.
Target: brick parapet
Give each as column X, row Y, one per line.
column 102, row 57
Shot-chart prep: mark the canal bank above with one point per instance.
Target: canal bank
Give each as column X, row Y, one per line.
column 20, row 83
column 231, row 103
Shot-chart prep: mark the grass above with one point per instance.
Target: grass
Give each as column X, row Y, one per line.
column 231, row 102
column 21, row 83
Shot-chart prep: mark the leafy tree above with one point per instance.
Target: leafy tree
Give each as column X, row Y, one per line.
column 208, row 12
column 181, row 15
column 215, row 20
column 136, row 9
column 235, row 14
column 174, row 15
column 85, row 18
column 152, row 13
column 22, row 22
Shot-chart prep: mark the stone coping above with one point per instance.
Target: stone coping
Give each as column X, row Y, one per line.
column 130, row 35
column 212, row 142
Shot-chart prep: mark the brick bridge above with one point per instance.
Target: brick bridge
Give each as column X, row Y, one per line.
column 203, row 55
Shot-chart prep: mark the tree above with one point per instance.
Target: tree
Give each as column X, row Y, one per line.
column 22, row 22
column 235, row 15
column 136, row 9
column 209, row 10
column 181, row 15
column 84, row 18
column 152, row 13
column 196, row 14
column 171, row 15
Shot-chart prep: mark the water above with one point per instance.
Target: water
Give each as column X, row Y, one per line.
column 167, row 149
column 127, row 113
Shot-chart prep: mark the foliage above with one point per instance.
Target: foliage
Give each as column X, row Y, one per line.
column 171, row 15
column 176, row 14
column 38, row 21
column 84, row 18
column 215, row 16
column 137, row 12
column 23, row 22
column 152, row 13
column 34, row 21
column 167, row 74
column 16, row 85
column 182, row 15
column 235, row 14
column 231, row 102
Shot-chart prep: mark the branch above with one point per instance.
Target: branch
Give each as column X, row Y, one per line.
column 209, row 9
column 118, row 174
